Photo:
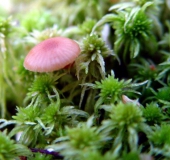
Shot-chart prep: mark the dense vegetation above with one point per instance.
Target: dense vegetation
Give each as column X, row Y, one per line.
column 112, row 103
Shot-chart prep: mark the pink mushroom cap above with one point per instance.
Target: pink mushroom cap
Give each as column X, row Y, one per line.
column 52, row 54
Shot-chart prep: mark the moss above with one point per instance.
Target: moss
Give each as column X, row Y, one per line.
column 79, row 111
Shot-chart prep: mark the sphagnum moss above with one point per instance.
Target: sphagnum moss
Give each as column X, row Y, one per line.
column 53, row 109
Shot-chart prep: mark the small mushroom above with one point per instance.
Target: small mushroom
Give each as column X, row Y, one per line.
column 52, row 54
column 126, row 99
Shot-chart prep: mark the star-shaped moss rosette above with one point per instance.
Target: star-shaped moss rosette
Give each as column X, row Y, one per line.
column 145, row 70
column 43, row 90
column 90, row 64
column 79, row 141
column 111, row 89
column 153, row 113
column 10, row 150
column 160, row 139
column 133, row 30
column 91, row 59
column 124, row 124
column 34, row 122
column 162, row 95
